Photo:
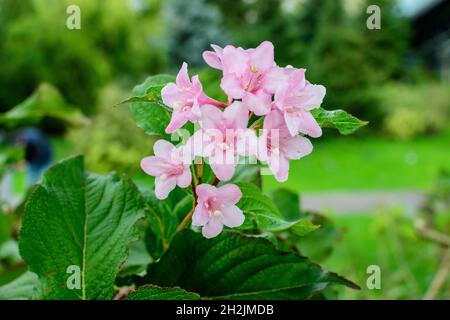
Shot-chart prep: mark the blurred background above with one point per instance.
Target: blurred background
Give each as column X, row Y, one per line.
column 383, row 193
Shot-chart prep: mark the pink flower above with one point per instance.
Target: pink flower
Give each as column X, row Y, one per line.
column 214, row 58
column 222, row 138
column 216, row 207
column 185, row 97
column 277, row 146
column 167, row 167
column 296, row 97
column 245, row 74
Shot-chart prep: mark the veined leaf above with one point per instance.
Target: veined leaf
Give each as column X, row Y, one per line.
column 164, row 217
column 147, row 107
column 151, row 292
column 339, row 119
column 25, row 287
column 262, row 213
column 288, row 202
column 79, row 225
column 46, row 101
column 234, row 266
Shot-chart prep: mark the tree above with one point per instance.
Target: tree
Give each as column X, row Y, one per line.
column 191, row 27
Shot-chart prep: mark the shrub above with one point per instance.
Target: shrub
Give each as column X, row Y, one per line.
column 412, row 110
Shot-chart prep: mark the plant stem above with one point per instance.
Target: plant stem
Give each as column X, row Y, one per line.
column 188, row 217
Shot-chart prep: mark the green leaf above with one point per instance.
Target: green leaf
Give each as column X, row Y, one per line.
column 46, row 101
column 234, row 266
column 164, row 217
column 288, row 202
column 25, row 287
column 151, row 292
column 147, row 107
column 246, row 173
column 262, row 213
column 319, row 244
column 344, row 122
column 5, row 227
column 83, row 220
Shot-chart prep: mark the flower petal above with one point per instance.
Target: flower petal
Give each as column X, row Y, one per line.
column 232, row 87
column 183, row 80
column 163, row 148
column 263, row 56
column 223, row 171
column 232, row 216
column 153, row 166
column 212, row 228
column 234, row 60
column 211, row 117
column 163, row 186
column 200, row 216
column 212, row 59
column 236, row 115
column 184, row 180
column 229, row 194
column 259, row 102
column 179, row 119
column 297, row 147
column 170, row 94
column 292, row 123
column 308, row 125
column 205, row 191
column 279, row 166
column 314, row 95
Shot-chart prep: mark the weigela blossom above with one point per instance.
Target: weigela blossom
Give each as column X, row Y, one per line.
column 185, row 97
column 245, row 75
column 216, row 207
column 277, row 146
column 256, row 87
column 223, row 137
column 167, row 167
column 296, row 97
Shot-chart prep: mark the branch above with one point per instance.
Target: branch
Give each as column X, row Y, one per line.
column 432, row 234
column 439, row 278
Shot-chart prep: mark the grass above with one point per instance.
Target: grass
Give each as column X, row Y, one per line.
column 388, row 240
column 355, row 163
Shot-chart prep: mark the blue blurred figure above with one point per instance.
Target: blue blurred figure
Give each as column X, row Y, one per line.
column 38, row 152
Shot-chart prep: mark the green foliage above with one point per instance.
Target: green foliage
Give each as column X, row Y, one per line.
column 151, row 115
column 261, row 213
column 151, row 292
column 37, row 47
column 45, row 102
column 111, row 141
column 74, row 218
column 25, row 287
column 164, row 219
column 233, row 266
column 288, row 202
column 338, row 119
column 412, row 110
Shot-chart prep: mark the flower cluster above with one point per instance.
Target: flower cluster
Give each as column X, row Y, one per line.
column 256, row 87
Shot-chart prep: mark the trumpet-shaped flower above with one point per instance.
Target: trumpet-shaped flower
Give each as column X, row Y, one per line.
column 276, row 146
column 216, row 207
column 246, row 74
column 296, row 97
column 167, row 167
column 223, row 137
column 185, row 97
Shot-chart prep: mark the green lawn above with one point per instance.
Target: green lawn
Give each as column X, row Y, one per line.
column 358, row 163
column 407, row 263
